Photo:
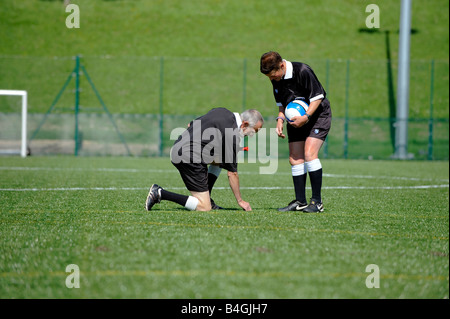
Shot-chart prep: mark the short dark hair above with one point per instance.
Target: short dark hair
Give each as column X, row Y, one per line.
column 270, row 61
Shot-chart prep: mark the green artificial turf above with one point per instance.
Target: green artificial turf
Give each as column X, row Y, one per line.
column 58, row 211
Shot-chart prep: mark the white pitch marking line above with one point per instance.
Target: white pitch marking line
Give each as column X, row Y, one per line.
column 215, row 188
column 133, row 170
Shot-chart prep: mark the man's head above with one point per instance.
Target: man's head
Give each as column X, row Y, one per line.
column 252, row 122
column 273, row 66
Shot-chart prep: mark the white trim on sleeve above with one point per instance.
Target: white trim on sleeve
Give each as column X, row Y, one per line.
column 318, row 97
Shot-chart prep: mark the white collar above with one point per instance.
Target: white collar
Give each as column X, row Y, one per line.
column 289, row 70
column 238, row 119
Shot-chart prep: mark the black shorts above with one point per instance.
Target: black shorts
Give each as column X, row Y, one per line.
column 195, row 176
column 317, row 127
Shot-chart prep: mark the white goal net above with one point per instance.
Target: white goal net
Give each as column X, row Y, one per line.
column 13, row 128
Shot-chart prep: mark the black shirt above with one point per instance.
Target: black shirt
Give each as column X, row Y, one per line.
column 213, row 137
column 299, row 82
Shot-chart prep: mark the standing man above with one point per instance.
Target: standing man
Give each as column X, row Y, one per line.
column 306, row 134
column 212, row 139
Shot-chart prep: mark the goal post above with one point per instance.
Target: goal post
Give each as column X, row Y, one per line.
column 23, row 95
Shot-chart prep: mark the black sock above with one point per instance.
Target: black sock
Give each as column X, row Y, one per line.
column 211, row 181
column 173, row 197
column 316, row 184
column 299, row 187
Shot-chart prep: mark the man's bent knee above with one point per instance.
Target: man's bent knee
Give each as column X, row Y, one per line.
column 204, row 201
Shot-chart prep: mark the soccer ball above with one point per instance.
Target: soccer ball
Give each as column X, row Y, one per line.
column 295, row 108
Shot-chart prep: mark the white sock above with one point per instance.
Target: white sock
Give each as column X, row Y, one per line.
column 191, row 203
column 298, row 169
column 313, row 165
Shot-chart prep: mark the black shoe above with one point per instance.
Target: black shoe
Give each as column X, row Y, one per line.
column 153, row 197
column 294, row 206
column 314, row 207
column 214, row 206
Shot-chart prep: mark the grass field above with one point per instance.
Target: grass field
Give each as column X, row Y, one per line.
column 321, row 29
column 204, row 45
column 56, row 211
column 183, row 58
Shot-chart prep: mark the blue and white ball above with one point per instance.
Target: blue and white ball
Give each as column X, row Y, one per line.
column 295, row 108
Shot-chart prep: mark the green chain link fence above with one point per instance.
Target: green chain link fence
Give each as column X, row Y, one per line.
column 129, row 105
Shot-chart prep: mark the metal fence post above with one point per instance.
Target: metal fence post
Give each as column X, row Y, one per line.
column 244, row 85
column 430, row 123
column 401, row 129
column 111, row 119
column 161, row 95
column 77, row 102
column 347, row 82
